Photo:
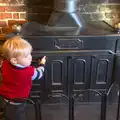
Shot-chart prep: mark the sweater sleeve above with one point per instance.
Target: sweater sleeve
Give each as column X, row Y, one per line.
column 38, row 72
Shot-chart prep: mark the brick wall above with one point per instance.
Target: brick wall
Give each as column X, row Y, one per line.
column 21, row 10
column 10, row 12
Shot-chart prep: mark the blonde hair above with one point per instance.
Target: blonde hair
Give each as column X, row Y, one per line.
column 15, row 47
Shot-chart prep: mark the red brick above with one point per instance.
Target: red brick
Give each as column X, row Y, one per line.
column 5, row 15
column 22, row 15
column 2, row 9
column 15, row 9
column 15, row 15
column 4, row 1
column 11, row 22
column 1, row 16
column 10, row 9
column 3, row 24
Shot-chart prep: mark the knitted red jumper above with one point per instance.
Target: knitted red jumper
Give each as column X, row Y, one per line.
column 16, row 82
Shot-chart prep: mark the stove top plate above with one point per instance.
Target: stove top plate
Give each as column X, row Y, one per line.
column 91, row 28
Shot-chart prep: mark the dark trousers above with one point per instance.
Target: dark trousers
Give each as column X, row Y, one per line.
column 14, row 112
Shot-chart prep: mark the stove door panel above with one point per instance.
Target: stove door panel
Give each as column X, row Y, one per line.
column 101, row 73
column 79, row 74
column 55, row 75
column 117, row 68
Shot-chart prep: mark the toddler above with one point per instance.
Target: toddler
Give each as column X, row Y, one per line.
column 17, row 76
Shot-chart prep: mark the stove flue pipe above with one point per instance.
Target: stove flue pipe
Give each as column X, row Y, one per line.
column 68, row 6
column 68, row 9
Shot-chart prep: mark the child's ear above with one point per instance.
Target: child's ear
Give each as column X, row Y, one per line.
column 13, row 61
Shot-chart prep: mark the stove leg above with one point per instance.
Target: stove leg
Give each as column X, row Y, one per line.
column 71, row 108
column 38, row 110
column 118, row 107
column 103, row 106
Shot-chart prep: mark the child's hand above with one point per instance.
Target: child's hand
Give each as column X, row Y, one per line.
column 43, row 60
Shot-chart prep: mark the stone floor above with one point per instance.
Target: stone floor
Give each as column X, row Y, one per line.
column 81, row 112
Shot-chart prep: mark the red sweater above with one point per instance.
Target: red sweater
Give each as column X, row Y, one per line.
column 16, row 82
